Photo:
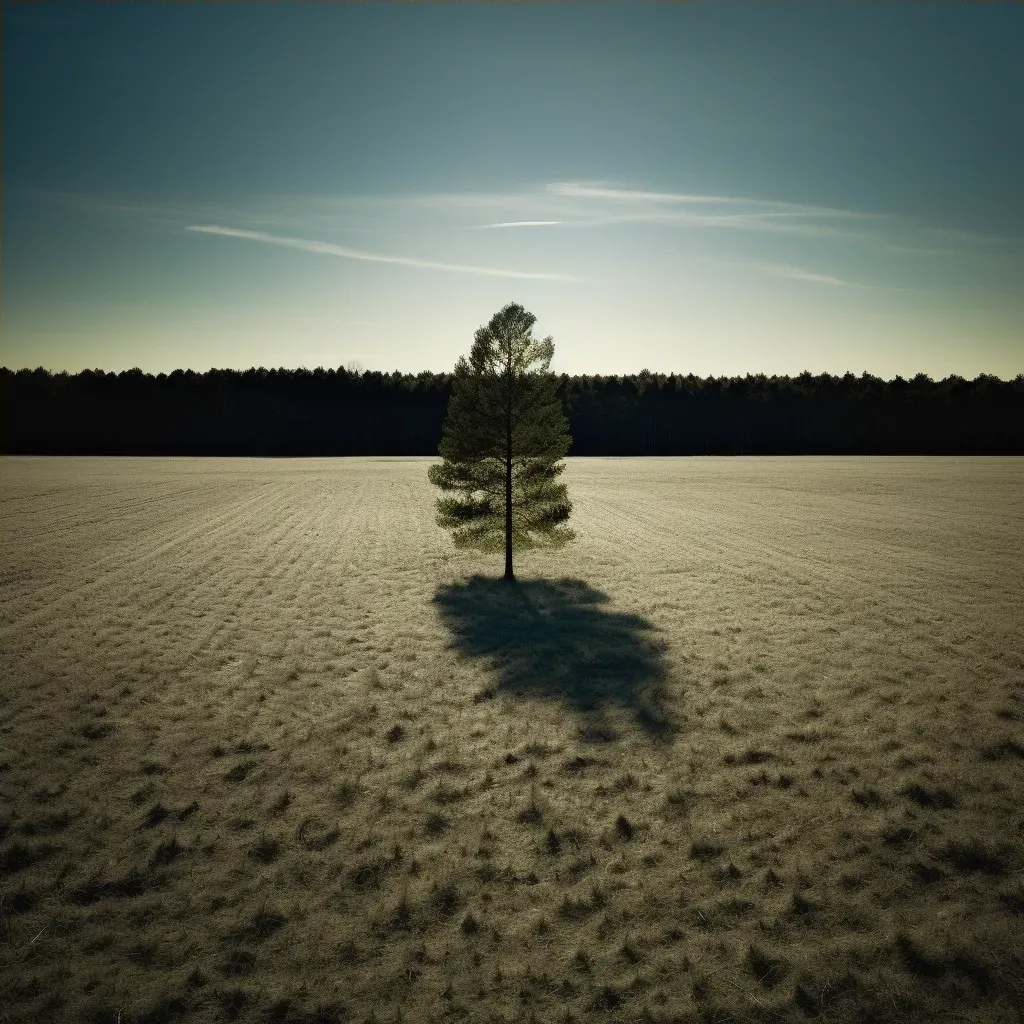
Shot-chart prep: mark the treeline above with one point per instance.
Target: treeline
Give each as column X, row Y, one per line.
column 338, row 412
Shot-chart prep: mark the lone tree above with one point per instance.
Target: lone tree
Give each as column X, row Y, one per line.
column 502, row 439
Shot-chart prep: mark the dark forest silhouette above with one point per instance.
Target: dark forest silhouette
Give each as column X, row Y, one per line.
column 337, row 412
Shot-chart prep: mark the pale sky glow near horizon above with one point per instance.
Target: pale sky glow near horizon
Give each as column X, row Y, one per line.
column 685, row 188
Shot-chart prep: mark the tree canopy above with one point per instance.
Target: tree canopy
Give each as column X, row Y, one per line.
column 502, row 443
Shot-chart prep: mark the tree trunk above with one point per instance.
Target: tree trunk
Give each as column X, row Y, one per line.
column 509, row 574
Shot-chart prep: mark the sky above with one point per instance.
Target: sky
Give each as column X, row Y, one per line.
column 708, row 189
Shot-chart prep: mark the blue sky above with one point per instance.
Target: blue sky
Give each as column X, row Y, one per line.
column 690, row 188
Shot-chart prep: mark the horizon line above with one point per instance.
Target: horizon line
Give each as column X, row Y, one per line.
column 653, row 374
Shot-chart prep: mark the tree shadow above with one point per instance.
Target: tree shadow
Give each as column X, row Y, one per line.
column 554, row 638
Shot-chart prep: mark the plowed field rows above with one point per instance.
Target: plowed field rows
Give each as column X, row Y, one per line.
column 751, row 749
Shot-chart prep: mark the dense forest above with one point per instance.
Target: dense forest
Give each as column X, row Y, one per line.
column 338, row 412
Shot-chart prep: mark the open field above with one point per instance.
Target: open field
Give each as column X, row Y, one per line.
column 751, row 749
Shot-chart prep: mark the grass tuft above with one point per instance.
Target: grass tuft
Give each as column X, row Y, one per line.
column 974, row 855
column 706, row 850
column 767, row 969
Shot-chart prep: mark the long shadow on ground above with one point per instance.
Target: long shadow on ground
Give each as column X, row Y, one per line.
column 555, row 638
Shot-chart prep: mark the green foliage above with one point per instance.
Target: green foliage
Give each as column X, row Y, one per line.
column 502, row 441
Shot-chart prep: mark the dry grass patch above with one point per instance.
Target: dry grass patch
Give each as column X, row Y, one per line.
column 750, row 750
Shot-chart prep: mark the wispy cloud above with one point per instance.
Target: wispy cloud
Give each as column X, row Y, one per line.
column 794, row 272
column 520, row 224
column 765, row 207
column 684, row 209
column 589, row 204
column 586, row 204
column 327, row 249
column 787, row 270
column 586, row 190
column 750, row 221
column 801, row 274
column 566, row 206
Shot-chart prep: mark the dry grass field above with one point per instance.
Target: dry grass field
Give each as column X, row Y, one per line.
column 751, row 749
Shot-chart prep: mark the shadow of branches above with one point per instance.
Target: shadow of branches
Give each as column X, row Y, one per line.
column 556, row 638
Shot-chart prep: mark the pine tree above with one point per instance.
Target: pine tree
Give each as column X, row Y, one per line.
column 502, row 441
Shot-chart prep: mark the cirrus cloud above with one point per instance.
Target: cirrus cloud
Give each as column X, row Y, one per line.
column 328, row 249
